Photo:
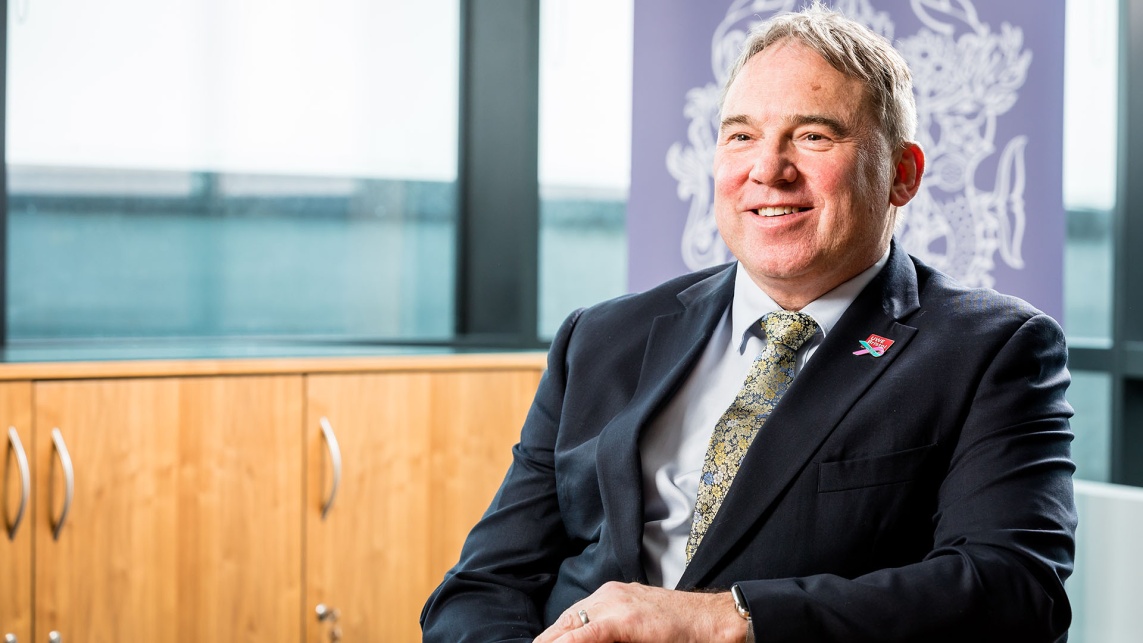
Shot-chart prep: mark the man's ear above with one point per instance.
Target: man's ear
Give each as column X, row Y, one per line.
column 907, row 178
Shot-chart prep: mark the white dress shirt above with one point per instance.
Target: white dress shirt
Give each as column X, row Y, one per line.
column 674, row 444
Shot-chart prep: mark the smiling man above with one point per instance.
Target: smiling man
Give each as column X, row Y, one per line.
column 806, row 180
column 824, row 441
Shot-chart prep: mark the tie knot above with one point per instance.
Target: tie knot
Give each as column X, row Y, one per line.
column 788, row 328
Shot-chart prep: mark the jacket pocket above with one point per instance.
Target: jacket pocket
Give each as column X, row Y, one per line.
column 892, row 468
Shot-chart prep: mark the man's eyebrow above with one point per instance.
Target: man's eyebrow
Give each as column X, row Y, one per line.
column 839, row 128
column 737, row 119
column 836, row 126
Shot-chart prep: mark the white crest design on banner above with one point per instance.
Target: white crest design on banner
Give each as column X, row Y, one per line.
column 965, row 77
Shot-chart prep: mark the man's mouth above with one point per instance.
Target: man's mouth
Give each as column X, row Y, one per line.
column 777, row 212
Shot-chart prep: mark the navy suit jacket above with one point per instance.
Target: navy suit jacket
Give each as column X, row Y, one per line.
column 924, row 495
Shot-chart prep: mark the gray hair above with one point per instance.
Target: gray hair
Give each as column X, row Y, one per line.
column 852, row 49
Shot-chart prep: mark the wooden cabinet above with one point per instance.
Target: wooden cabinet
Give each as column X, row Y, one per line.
column 199, row 491
column 367, row 557
column 421, row 456
column 476, row 419
column 185, row 521
column 16, row 538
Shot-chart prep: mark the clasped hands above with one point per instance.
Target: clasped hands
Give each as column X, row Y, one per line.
column 634, row 613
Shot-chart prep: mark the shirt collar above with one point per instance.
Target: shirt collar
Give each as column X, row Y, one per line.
column 750, row 302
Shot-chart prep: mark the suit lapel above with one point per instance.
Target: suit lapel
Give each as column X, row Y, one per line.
column 674, row 344
column 802, row 422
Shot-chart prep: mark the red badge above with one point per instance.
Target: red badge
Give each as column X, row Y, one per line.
column 876, row 346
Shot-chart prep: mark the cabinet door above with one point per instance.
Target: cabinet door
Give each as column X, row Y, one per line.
column 421, row 457
column 185, row 520
column 476, row 419
column 16, row 544
column 368, row 556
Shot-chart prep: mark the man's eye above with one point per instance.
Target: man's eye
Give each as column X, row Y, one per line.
column 739, row 137
column 814, row 137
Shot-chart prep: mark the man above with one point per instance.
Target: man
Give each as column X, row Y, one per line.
column 912, row 484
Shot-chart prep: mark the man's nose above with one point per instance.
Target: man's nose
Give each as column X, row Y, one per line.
column 773, row 163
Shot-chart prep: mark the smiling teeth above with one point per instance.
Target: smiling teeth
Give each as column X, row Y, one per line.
column 776, row 212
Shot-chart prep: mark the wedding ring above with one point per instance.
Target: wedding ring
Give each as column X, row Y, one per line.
column 583, row 617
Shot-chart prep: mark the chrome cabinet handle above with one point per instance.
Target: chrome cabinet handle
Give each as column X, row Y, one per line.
column 25, row 485
column 9, row 638
column 69, row 479
column 54, row 637
column 335, row 459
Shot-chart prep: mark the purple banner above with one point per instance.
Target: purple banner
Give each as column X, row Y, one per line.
column 989, row 79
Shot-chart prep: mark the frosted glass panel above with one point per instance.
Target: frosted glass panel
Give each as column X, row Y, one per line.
column 1091, row 81
column 340, row 87
column 1091, row 132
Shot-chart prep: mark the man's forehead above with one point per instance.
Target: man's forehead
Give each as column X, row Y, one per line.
column 799, row 82
column 791, row 52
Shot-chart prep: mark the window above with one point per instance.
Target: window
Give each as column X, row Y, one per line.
column 211, row 168
column 1091, row 79
column 585, row 153
column 1091, row 129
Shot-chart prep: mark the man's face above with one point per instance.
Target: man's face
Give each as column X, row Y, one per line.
column 802, row 175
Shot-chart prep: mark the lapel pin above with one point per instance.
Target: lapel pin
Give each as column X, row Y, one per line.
column 876, row 346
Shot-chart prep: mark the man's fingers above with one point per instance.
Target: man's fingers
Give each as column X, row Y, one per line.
column 567, row 622
column 593, row 632
column 599, row 618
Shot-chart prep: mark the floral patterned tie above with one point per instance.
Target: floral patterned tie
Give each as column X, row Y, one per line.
column 767, row 381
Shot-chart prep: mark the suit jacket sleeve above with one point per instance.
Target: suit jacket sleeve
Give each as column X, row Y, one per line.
column 509, row 562
column 1003, row 529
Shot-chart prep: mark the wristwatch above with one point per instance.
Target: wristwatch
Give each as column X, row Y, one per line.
column 743, row 610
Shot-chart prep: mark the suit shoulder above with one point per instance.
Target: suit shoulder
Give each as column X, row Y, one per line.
column 642, row 307
column 940, row 292
column 616, row 331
